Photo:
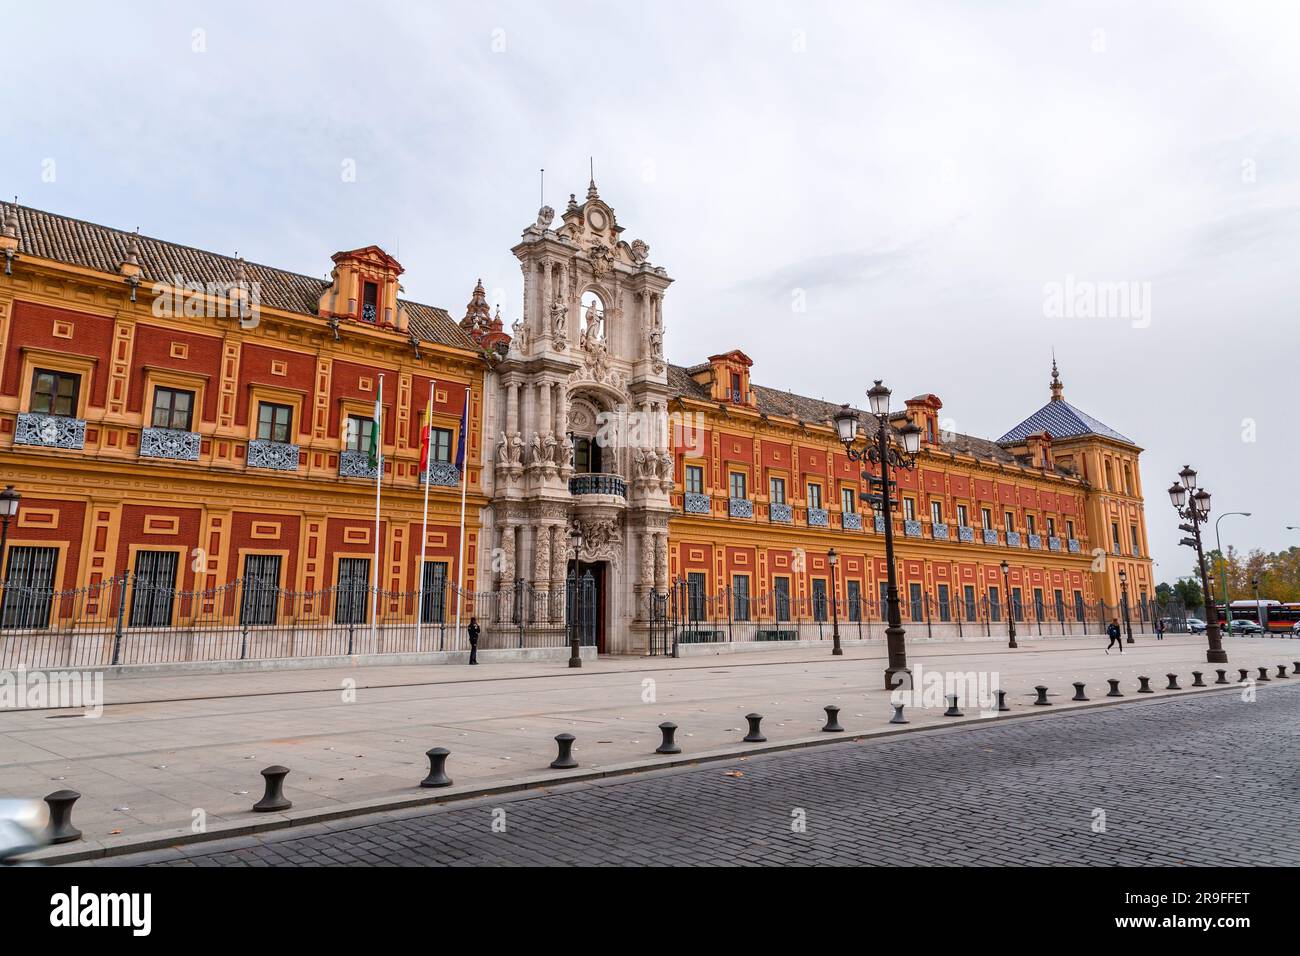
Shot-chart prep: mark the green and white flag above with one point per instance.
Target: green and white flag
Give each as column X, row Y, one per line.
column 373, row 451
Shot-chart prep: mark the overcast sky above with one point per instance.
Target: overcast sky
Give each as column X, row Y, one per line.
column 917, row 178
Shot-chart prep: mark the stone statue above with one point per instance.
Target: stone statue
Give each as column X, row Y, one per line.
column 657, row 349
column 503, row 450
column 545, row 216
column 592, row 332
column 516, row 449
column 552, row 452
column 536, row 449
column 559, row 325
column 640, row 251
column 520, row 332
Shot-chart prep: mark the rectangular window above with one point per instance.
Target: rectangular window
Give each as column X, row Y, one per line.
column 909, row 509
column 740, row 597
column 1114, row 536
column 261, row 589
column 1069, row 529
column 1133, row 536
column 820, row 607
column 173, row 408
column 55, row 393
column 29, row 592
column 736, row 395
column 1038, row 604
column 440, row 444
column 995, row 604
column 273, row 422
column 968, row 597
column 936, row 512
column 853, row 597
column 357, row 432
column 153, row 589
column 1009, row 519
column 737, row 484
column 961, row 516
column 916, row 608
column 777, row 490
column 434, row 582
column 986, row 517
column 696, row 585
column 1017, row 604
column 814, row 496
column 781, row 588
column 695, row 479
column 945, row 612
column 370, row 303
column 884, row 600
column 1030, row 525
column 352, row 596
column 1078, row 605
column 1051, row 527
column 1058, row 599
column 849, row 500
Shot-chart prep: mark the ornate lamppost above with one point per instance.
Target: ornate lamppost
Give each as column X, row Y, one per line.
column 9, row 500
column 1195, row 510
column 1011, row 617
column 575, row 652
column 1123, row 602
column 834, row 559
column 886, row 453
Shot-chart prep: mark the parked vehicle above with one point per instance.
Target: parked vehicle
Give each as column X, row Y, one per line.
column 1245, row 627
column 23, row 826
column 1196, row 625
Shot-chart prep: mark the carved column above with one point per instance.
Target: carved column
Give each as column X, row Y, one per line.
column 559, row 569
column 546, row 296
column 545, row 420
column 512, row 409
column 507, row 581
column 661, row 561
column 541, row 574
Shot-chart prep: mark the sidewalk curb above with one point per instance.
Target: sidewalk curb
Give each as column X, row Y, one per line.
column 254, row 824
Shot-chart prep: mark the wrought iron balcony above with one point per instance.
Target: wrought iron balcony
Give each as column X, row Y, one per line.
column 597, row 484
column 780, row 513
column 1073, row 545
column 851, row 520
column 355, row 463
column 442, row 473
column 275, row 455
column 990, row 536
column 1053, row 544
column 1036, row 542
column 50, row 431
column 696, row 503
column 818, row 518
column 740, row 508
column 965, row 534
column 912, row 528
column 939, row 531
column 169, row 443
column 1013, row 539
column 369, row 313
column 880, row 524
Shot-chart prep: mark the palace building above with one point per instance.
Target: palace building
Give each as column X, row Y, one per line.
column 188, row 422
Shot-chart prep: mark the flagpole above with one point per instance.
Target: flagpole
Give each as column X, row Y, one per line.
column 464, row 477
column 424, row 526
column 379, row 483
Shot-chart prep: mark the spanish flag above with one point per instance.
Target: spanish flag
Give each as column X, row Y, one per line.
column 425, row 431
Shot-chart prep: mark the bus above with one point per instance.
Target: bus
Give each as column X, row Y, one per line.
column 1275, row 616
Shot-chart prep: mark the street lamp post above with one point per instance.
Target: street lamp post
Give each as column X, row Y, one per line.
column 1259, row 611
column 834, row 559
column 1011, row 617
column 1123, row 601
column 9, row 500
column 886, row 453
column 1195, row 509
column 575, row 652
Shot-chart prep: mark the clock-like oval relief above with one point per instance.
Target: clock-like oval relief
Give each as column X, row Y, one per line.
column 597, row 219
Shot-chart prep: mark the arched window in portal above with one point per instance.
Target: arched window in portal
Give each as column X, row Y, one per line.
column 586, row 455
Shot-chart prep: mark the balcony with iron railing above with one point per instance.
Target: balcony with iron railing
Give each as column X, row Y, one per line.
column 273, row 455
column 596, row 483
column 50, row 431
column 780, row 513
column 169, row 443
column 851, row 521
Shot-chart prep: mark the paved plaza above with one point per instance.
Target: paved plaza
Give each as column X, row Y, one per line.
column 1202, row 780
column 354, row 738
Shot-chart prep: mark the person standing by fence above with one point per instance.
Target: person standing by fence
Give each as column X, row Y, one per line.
column 1160, row 629
column 473, row 640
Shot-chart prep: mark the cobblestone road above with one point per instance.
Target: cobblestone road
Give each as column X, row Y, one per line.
column 1201, row 780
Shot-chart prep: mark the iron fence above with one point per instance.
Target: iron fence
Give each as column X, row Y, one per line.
column 126, row 619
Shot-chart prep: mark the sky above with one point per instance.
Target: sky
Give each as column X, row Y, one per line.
column 935, row 194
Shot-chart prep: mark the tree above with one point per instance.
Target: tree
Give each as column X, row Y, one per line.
column 1188, row 590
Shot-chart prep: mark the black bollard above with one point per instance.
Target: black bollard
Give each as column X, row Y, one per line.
column 564, row 759
column 273, row 799
column 669, row 745
column 1223, row 677
column 1263, row 674
column 832, row 719
column 1173, row 682
column 1114, row 688
column 1197, row 680
column 1002, row 702
column 755, row 735
column 1145, row 685
column 1281, row 670
column 1243, row 672
column 61, row 829
column 952, row 710
column 437, row 768
column 1042, row 696
column 898, row 717
column 1078, row 693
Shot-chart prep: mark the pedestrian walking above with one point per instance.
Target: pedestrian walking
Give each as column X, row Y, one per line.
column 1113, row 633
column 1160, row 629
column 473, row 640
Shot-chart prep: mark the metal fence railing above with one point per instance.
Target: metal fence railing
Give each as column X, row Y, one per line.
column 125, row 620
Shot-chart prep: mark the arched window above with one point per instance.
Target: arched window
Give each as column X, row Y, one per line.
column 586, row 456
